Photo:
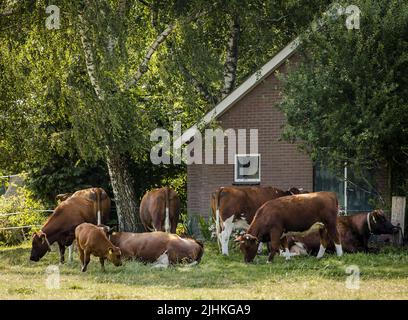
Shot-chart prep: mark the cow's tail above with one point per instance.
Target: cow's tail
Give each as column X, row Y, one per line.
column 167, row 213
column 217, row 214
column 98, row 206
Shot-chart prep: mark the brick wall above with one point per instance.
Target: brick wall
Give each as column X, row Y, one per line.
column 282, row 164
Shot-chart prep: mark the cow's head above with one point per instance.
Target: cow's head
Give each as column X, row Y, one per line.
column 380, row 224
column 115, row 256
column 39, row 247
column 248, row 245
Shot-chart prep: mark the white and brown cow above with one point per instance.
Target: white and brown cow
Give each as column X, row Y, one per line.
column 354, row 230
column 160, row 210
column 158, row 247
column 235, row 207
column 88, row 205
column 298, row 213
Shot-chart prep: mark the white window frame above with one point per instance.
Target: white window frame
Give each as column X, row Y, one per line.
column 247, row 181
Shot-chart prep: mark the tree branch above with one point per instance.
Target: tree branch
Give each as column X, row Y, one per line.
column 89, row 58
column 198, row 86
column 144, row 66
column 230, row 66
column 122, row 8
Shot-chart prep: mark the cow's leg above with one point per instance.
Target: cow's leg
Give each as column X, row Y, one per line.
column 285, row 246
column 226, row 234
column 102, row 261
column 81, row 256
column 62, row 252
column 275, row 235
column 334, row 236
column 260, row 246
column 324, row 242
column 86, row 259
column 70, row 253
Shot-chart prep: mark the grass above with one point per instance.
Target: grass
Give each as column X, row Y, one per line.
column 382, row 276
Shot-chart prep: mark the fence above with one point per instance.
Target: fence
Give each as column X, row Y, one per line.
column 8, row 214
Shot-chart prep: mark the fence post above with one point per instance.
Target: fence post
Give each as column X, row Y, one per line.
column 398, row 214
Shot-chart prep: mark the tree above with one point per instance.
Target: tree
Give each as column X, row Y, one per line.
column 95, row 88
column 347, row 101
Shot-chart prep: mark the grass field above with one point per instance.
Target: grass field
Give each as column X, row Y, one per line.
column 383, row 276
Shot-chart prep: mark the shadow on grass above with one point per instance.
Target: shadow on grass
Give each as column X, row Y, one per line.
column 215, row 270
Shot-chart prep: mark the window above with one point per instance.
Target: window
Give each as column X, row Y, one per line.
column 247, row 168
column 359, row 191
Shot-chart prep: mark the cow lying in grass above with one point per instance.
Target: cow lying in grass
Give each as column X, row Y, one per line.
column 92, row 239
column 296, row 213
column 158, row 247
column 355, row 230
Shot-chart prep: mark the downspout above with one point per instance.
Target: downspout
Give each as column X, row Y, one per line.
column 345, row 188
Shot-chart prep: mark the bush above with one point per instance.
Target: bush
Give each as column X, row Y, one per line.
column 207, row 228
column 21, row 202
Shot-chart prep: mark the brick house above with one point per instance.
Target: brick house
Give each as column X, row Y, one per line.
column 253, row 105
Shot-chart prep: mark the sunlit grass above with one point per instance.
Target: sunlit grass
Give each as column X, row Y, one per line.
column 383, row 276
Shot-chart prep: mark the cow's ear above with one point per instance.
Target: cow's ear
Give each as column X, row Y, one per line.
column 110, row 250
column 238, row 239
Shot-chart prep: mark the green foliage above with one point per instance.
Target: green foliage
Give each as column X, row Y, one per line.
column 22, row 202
column 207, row 227
column 348, row 98
column 187, row 226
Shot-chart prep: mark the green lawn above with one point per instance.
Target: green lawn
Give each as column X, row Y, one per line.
column 383, row 276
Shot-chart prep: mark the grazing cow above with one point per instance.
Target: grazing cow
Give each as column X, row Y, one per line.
column 156, row 246
column 354, row 230
column 60, row 226
column 92, row 239
column 235, row 207
column 297, row 213
column 160, row 210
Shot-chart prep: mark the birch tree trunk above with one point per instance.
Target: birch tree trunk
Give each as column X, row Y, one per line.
column 121, row 181
column 125, row 197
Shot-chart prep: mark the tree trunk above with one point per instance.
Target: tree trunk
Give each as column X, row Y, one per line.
column 125, row 198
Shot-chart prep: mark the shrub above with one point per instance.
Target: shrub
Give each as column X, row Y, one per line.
column 21, row 202
column 207, row 228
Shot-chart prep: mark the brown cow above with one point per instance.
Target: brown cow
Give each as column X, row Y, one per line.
column 154, row 246
column 98, row 195
column 297, row 213
column 67, row 215
column 354, row 230
column 160, row 210
column 235, row 207
column 92, row 239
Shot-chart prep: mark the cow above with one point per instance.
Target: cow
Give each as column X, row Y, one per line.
column 296, row 213
column 60, row 226
column 160, row 210
column 235, row 207
column 92, row 194
column 354, row 230
column 150, row 247
column 92, row 240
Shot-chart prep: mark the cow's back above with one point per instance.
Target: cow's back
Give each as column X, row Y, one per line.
column 91, row 194
column 242, row 200
column 153, row 208
column 68, row 215
column 297, row 210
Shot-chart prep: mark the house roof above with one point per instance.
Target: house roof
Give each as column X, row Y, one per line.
column 229, row 101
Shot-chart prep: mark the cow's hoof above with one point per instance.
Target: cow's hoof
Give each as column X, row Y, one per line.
column 83, row 269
